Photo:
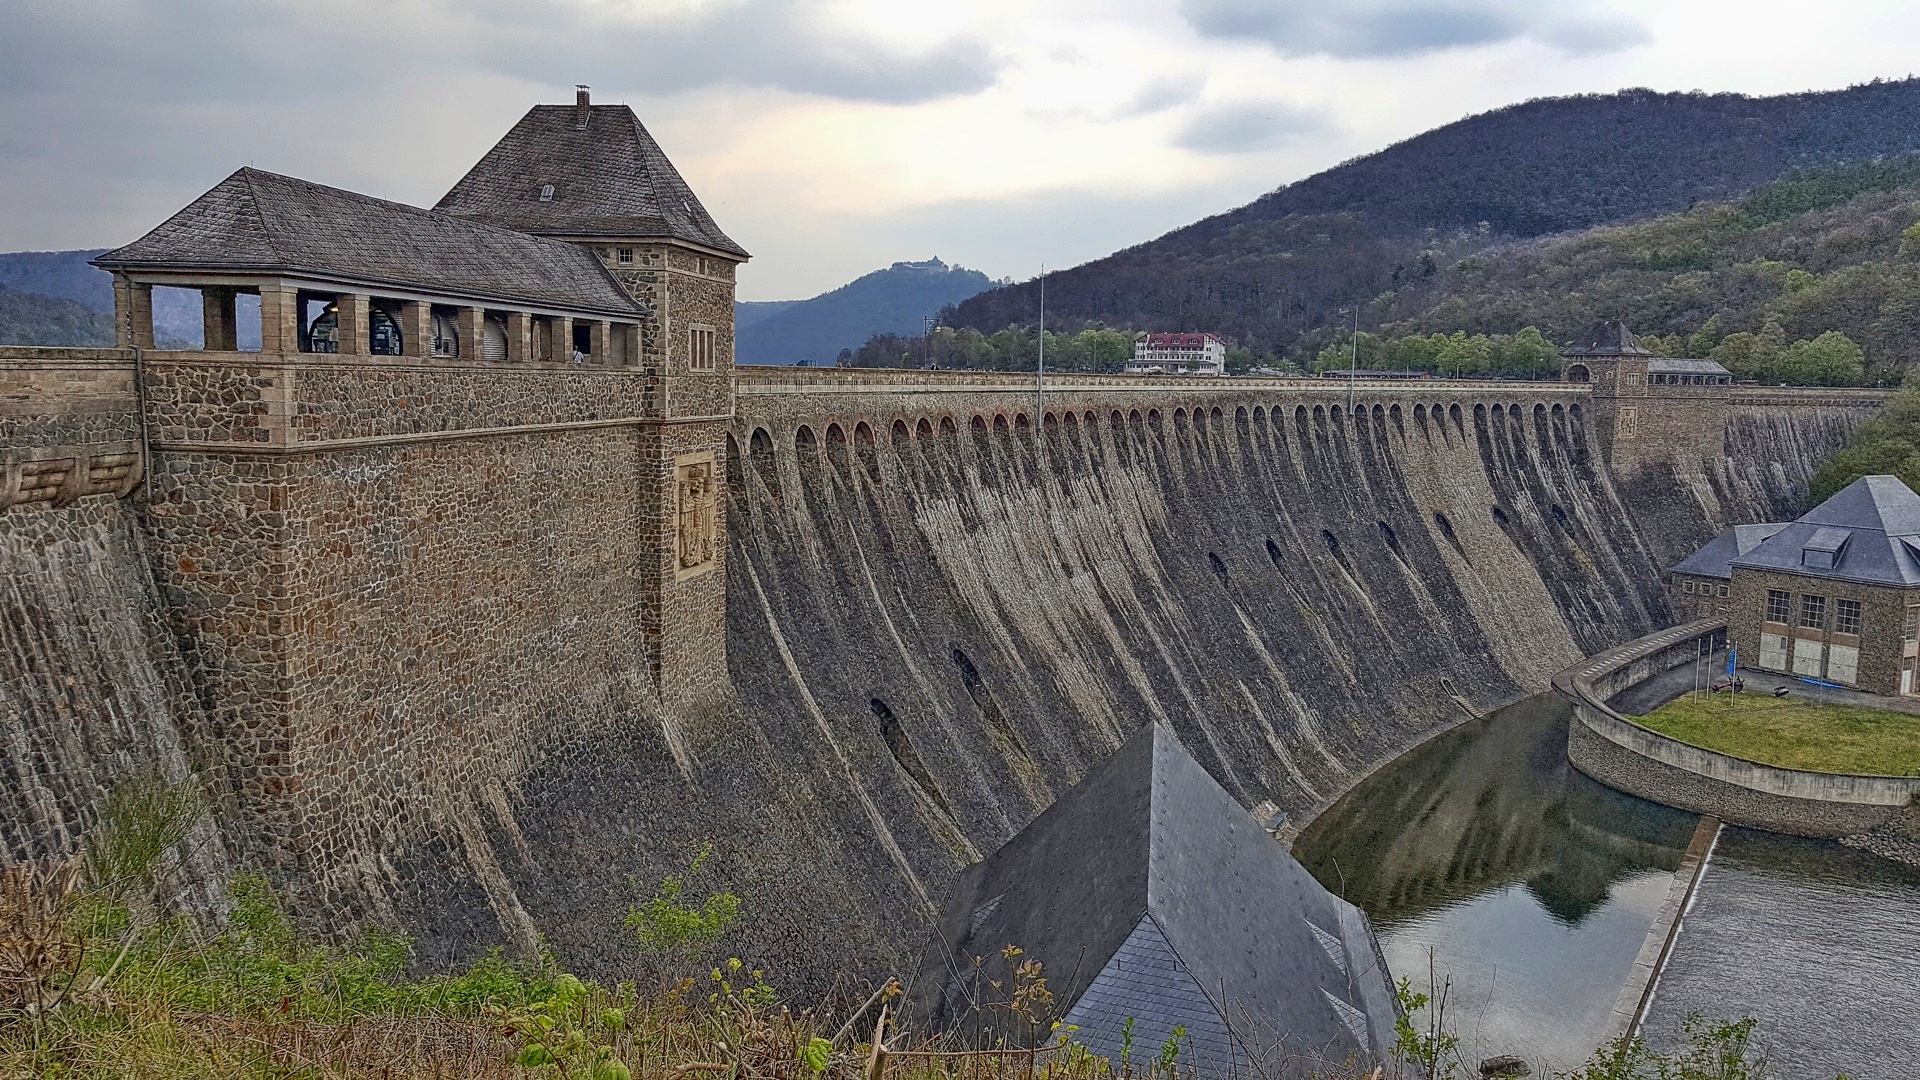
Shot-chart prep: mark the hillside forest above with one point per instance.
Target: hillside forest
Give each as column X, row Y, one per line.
column 1282, row 274
column 1812, row 280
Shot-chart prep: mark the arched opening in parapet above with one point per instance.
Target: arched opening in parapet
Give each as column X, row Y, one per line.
column 1320, row 420
column 1459, row 421
column 979, row 425
column 1243, row 424
column 837, row 451
column 736, row 476
column 1180, row 419
column 1133, row 418
column 1539, row 410
column 1216, row 415
column 981, row 435
column 1559, row 413
column 1273, row 552
column 1578, row 373
column 1399, row 425
column 1219, row 568
column 1153, row 420
column 863, row 447
column 1420, row 418
column 1480, row 416
column 947, row 426
column 1574, row 411
column 1118, row 422
column 760, row 449
column 1090, row 419
column 999, row 424
column 1047, row 419
column 1240, row 414
column 803, row 440
column 923, row 430
column 901, row 436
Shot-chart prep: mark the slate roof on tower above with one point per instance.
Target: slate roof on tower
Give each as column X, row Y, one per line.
column 608, row 179
column 1149, row 893
column 1611, row 338
column 1869, row 532
column 264, row 223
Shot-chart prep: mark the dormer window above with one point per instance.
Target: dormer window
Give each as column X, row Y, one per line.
column 624, row 256
column 546, row 193
column 1822, row 550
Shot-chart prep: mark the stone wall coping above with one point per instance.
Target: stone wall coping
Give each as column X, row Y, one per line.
column 35, row 356
column 1852, row 397
column 318, row 361
column 769, row 379
column 1591, row 709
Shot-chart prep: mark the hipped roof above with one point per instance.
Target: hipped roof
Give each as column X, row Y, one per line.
column 1610, row 338
column 609, row 179
column 1149, row 893
column 1873, row 524
column 262, row 222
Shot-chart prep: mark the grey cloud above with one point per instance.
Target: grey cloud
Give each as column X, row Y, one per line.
column 781, row 44
column 1248, row 128
column 1365, row 28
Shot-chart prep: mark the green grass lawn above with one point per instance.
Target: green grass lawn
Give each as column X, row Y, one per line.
column 1795, row 734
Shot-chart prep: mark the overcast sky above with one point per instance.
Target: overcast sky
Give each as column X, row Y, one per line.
column 832, row 138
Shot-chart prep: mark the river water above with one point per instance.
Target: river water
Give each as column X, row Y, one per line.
column 1494, row 869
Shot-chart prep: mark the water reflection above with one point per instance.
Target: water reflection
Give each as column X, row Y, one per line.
column 1532, row 885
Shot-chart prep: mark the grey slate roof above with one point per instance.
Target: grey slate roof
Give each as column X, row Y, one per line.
column 1715, row 559
column 1869, row 532
column 610, row 180
column 263, row 222
column 1669, row 365
column 1149, row 893
column 1610, row 338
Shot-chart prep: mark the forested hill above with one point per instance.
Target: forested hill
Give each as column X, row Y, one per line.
column 1277, row 269
column 890, row 301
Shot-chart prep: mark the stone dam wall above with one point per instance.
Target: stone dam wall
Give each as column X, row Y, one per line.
column 939, row 613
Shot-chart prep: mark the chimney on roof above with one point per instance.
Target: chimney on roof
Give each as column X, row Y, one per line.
column 582, row 106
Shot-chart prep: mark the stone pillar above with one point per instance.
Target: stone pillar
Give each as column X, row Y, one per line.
column 562, row 339
column 416, row 328
column 356, row 322
column 219, row 326
column 602, row 342
column 279, row 319
column 133, row 313
column 519, row 337
column 473, row 331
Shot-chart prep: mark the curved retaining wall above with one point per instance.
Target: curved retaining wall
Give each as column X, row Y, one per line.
column 1623, row 755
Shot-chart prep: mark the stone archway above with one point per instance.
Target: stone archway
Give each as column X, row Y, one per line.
column 1578, row 373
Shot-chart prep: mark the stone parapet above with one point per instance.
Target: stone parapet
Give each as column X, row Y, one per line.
column 1621, row 754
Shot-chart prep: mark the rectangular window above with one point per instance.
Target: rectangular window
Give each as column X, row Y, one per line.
column 624, row 256
column 1846, row 617
column 1720, row 591
column 1813, row 612
column 700, row 349
column 1686, row 587
column 1779, row 605
column 1913, row 624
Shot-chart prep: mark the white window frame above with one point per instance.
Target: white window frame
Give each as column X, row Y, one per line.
column 703, row 347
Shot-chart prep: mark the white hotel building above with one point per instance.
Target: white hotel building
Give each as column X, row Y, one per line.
column 1178, row 354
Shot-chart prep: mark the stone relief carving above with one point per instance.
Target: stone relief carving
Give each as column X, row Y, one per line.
column 1627, row 424
column 694, row 510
